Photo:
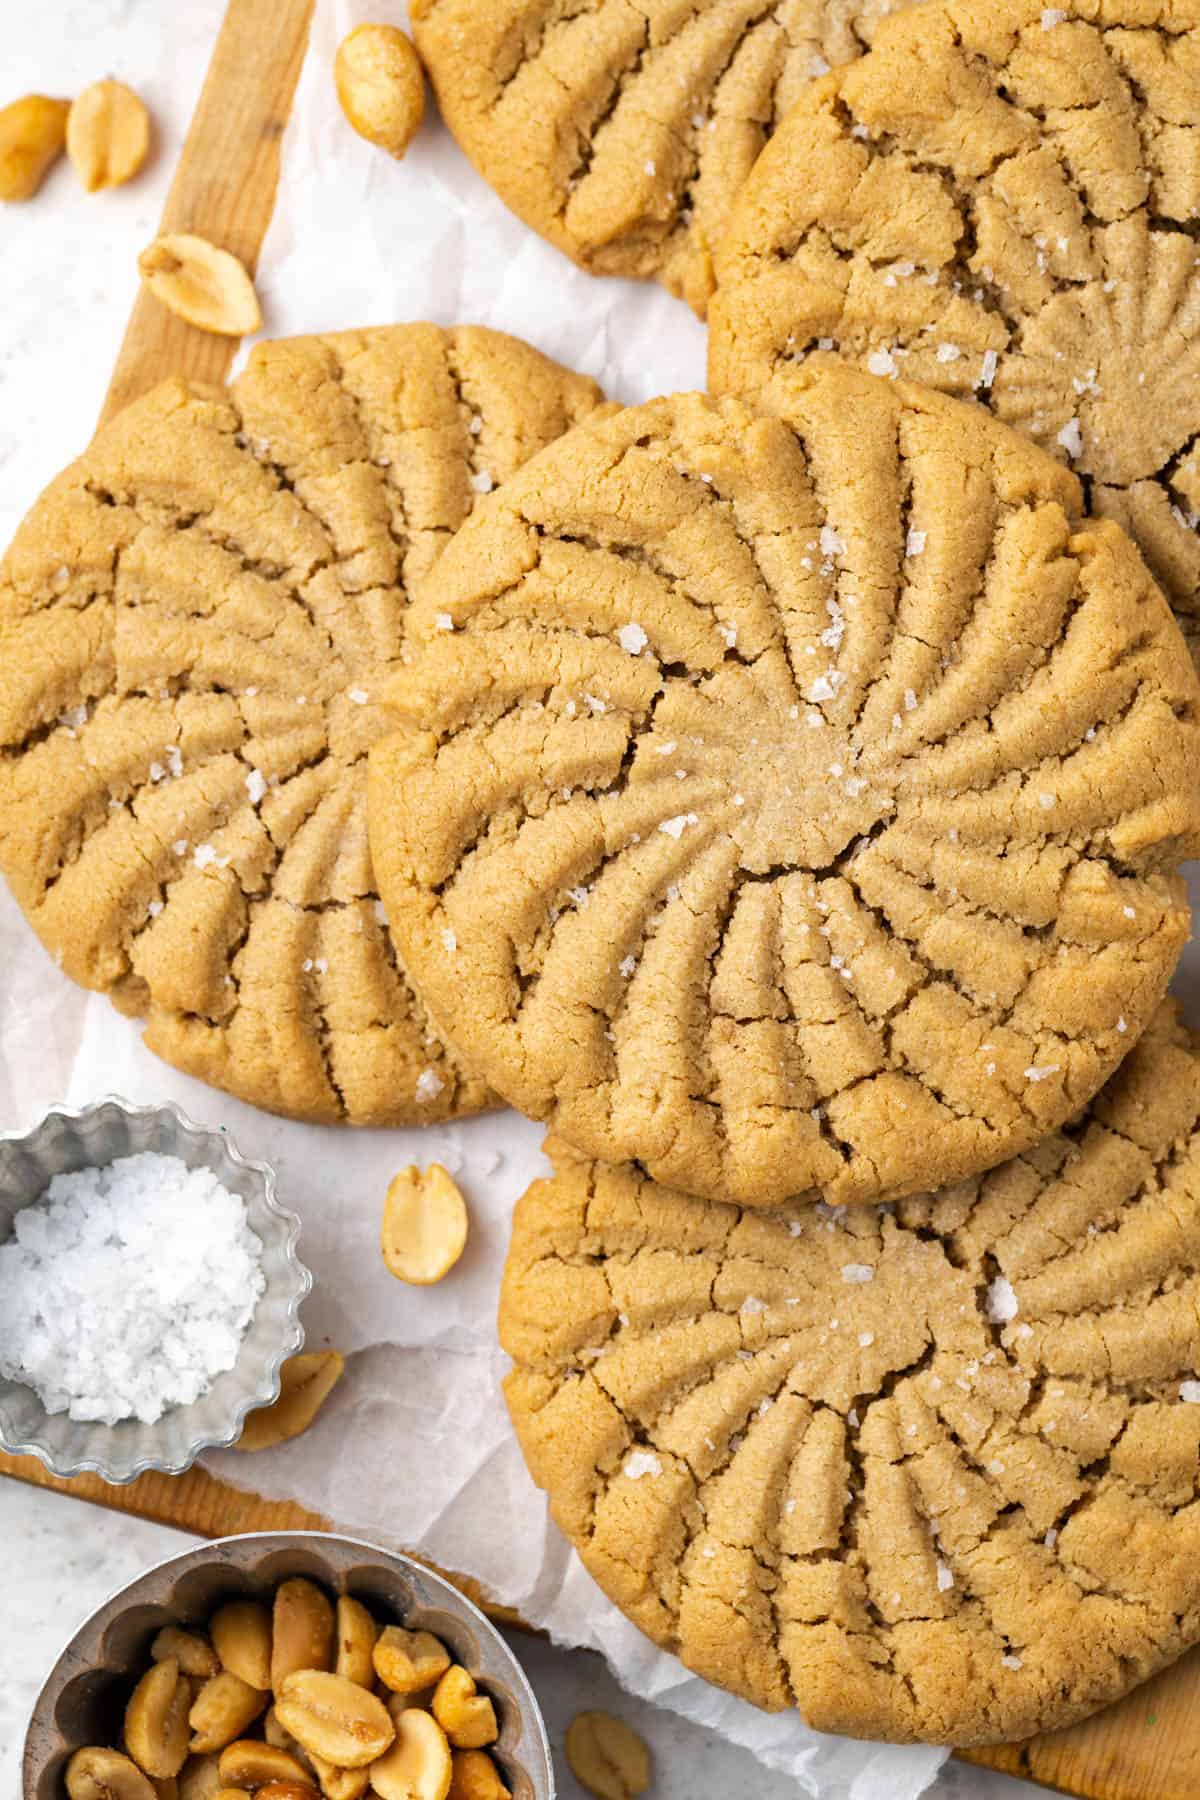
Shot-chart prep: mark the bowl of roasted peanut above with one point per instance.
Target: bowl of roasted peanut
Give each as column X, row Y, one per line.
column 287, row 1666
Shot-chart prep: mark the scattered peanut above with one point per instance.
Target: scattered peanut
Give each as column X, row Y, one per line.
column 273, row 1733
column 417, row 1767
column 407, row 1661
column 166, row 1787
column 333, row 1718
column 96, row 1774
column 356, row 1635
column 206, row 286
column 305, row 1383
column 474, row 1776
column 424, row 1225
column 33, row 132
column 287, row 1790
column 156, row 1719
column 222, row 1710
column 467, row 1717
column 194, row 1654
column 607, row 1757
column 108, row 135
column 241, row 1635
column 250, row 1763
column 302, row 1631
column 381, row 86
column 231, row 1794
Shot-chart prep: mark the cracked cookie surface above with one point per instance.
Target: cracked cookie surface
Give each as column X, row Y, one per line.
column 195, row 623
column 791, row 806
column 621, row 129
column 925, row 1472
column 1000, row 201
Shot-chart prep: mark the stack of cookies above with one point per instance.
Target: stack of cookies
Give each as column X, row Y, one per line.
column 780, row 792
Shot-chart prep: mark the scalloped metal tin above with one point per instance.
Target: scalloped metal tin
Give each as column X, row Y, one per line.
column 66, row 1140
column 84, row 1696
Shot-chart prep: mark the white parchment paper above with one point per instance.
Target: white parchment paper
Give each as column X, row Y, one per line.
column 414, row 1446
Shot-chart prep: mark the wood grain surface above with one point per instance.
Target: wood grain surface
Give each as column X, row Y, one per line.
column 1145, row 1748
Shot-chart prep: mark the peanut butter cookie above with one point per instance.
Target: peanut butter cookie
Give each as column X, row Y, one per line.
column 791, row 805
column 622, row 132
column 926, row 1473
column 195, row 623
column 1000, row 201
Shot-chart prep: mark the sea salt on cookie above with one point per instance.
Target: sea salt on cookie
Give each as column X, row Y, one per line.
column 791, row 806
column 925, row 1473
column 1000, row 201
column 195, row 624
column 621, row 133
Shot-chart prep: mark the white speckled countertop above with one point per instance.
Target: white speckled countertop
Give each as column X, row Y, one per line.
column 69, row 282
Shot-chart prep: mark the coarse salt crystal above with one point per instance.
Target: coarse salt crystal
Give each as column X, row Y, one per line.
column 359, row 696
column 256, row 786
column 1189, row 1391
column 1071, row 438
column 449, row 941
column 429, row 1085
column 881, row 362
column 914, row 544
column 632, row 638
column 443, row 621
column 1036, row 1073
column 945, row 1577
column 482, row 481
column 675, row 827
column 127, row 1289
column 1001, row 1302
column 857, row 1272
column 752, row 1304
column 641, row 1462
column 1052, row 16
column 1011, row 1662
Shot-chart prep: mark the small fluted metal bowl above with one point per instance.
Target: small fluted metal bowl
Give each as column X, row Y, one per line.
column 90, row 1138
column 85, row 1694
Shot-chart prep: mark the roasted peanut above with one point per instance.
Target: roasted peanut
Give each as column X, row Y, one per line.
column 333, row 1718
column 417, row 1767
column 108, row 135
column 222, row 1710
column 248, row 1763
column 199, row 1778
column 474, row 1776
column 305, row 1383
column 407, row 1661
column 341, row 1784
column 607, row 1757
column 287, row 1790
column 241, row 1635
column 32, row 134
column 356, row 1635
column 274, row 1733
column 467, row 1717
column 166, row 1787
column 194, row 1654
column 98, row 1774
column 232, row 1794
column 424, row 1225
column 202, row 284
column 381, row 86
column 156, row 1719
column 302, row 1632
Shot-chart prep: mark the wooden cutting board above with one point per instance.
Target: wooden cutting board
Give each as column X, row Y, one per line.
column 1145, row 1748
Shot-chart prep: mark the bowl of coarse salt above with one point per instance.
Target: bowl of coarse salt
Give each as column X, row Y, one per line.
column 149, row 1290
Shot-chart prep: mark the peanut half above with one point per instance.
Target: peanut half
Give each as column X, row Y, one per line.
column 474, row 1776
column 407, row 1661
column 305, row 1383
column 98, row 1774
column 418, row 1766
column 381, row 86
column 199, row 1778
column 467, row 1717
column 287, row 1790
column 333, row 1718
column 424, row 1225
column 33, row 131
column 249, row 1763
column 341, row 1784
column 156, row 1719
column 241, row 1635
column 206, row 286
column 108, row 135
column 607, row 1757
column 222, row 1710
column 356, row 1636
column 194, row 1654
column 302, row 1634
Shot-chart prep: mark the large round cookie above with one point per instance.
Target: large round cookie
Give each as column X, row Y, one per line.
column 195, row 621
column 1000, row 200
column 791, row 806
column 924, row 1473
column 622, row 132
